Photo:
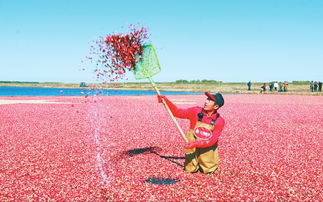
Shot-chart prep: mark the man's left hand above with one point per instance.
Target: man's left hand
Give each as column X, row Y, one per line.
column 160, row 98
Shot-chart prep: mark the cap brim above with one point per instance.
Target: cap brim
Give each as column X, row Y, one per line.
column 210, row 96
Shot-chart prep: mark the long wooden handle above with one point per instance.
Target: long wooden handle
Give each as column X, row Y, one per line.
column 169, row 111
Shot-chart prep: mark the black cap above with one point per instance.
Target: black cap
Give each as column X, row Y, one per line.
column 218, row 98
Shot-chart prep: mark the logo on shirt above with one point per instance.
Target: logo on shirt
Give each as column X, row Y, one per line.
column 202, row 133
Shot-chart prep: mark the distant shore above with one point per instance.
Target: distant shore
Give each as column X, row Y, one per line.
column 299, row 89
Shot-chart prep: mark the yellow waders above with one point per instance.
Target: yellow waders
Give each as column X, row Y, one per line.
column 205, row 160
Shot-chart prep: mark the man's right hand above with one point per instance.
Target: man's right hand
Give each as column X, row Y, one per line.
column 160, row 97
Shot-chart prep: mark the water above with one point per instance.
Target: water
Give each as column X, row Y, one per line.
column 37, row 91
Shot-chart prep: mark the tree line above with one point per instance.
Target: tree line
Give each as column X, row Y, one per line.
column 18, row 82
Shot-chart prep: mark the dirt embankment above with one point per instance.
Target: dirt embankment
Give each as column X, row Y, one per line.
column 301, row 89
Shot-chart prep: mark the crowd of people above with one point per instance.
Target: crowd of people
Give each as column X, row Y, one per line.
column 272, row 86
column 315, row 86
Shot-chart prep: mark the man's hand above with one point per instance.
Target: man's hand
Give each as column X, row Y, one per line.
column 160, row 97
column 190, row 145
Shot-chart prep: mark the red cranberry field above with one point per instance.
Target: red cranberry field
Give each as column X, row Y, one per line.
column 127, row 148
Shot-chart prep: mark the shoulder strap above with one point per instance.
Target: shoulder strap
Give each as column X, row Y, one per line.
column 200, row 116
column 214, row 120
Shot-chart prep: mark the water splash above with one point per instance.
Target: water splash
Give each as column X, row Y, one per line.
column 96, row 120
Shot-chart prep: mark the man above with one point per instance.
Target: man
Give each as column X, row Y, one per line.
column 271, row 86
column 312, row 86
column 285, row 86
column 275, row 86
column 206, row 125
column 263, row 88
column 315, row 86
column 249, row 85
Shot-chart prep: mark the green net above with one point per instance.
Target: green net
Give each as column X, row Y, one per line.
column 149, row 65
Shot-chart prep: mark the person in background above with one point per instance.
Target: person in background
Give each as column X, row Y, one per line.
column 315, row 86
column 285, row 86
column 249, row 85
column 271, row 86
column 206, row 126
column 263, row 88
column 312, row 86
column 280, row 84
column 320, row 86
column 275, row 86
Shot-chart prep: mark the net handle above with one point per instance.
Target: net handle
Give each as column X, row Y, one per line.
column 168, row 110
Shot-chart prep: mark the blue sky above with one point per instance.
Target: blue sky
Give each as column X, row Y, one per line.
column 227, row 40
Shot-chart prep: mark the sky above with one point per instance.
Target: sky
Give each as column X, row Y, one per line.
column 223, row 40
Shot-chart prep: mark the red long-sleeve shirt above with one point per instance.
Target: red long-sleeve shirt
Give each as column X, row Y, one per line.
column 192, row 114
